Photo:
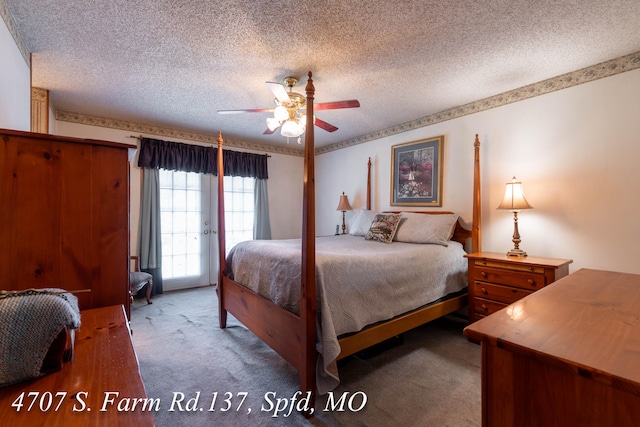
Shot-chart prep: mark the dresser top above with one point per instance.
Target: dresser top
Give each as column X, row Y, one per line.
column 588, row 321
column 525, row 260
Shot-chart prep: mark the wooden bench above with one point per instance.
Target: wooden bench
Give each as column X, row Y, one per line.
column 99, row 387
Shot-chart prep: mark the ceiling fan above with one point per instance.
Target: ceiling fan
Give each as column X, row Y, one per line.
column 289, row 113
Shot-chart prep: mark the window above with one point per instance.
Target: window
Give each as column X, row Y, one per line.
column 238, row 208
column 180, row 218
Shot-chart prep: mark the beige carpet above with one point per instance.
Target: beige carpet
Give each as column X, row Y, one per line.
column 431, row 379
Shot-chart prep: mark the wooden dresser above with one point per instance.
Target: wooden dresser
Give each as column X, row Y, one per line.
column 497, row 280
column 64, row 215
column 567, row 355
column 104, row 363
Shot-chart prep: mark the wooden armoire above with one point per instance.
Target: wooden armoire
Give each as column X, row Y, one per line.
column 64, row 216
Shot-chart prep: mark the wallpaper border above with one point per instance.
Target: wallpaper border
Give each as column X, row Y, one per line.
column 150, row 131
column 13, row 30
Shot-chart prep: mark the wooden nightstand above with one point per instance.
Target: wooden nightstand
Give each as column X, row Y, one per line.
column 497, row 280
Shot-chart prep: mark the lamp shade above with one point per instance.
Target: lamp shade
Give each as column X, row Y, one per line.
column 272, row 123
column 344, row 203
column 514, row 197
column 281, row 113
column 290, row 129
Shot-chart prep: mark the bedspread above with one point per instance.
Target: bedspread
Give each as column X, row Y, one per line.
column 358, row 282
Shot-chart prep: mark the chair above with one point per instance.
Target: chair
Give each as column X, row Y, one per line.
column 138, row 280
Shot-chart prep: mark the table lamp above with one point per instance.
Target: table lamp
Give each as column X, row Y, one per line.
column 514, row 201
column 344, row 206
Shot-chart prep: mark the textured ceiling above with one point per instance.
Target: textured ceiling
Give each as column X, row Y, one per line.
column 174, row 64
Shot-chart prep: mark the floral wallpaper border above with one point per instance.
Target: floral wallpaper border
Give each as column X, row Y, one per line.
column 138, row 129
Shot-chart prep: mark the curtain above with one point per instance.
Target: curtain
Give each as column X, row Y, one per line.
column 261, row 223
column 150, row 239
column 155, row 154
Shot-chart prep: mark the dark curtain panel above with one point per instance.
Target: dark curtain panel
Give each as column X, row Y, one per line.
column 155, row 154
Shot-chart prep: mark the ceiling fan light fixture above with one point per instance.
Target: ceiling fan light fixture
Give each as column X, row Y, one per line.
column 281, row 113
column 291, row 129
column 272, row 123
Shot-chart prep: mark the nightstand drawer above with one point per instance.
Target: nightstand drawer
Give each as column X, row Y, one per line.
column 529, row 280
column 486, row 307
column 506, row 294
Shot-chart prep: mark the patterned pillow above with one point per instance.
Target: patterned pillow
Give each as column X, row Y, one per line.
column 383, row 227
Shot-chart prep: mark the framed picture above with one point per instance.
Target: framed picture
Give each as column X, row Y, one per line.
column 416, row 173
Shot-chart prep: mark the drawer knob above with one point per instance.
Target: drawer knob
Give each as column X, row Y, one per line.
column 485, row 308
column 484, row 291
column 531, row 282
column 483, row 273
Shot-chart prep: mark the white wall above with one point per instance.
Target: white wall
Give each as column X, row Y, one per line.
column 15, row 84
column 577, row 152
column 284, row 184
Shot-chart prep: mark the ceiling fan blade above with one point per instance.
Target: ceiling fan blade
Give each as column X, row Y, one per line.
column 351, row 103
column 279, row 92
column 324, row 125
column 251, row 110
column 269, row 131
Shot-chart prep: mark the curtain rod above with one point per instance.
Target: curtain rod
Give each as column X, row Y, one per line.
column 140, row 137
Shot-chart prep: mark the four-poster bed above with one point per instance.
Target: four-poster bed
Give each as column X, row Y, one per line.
column 293, row 333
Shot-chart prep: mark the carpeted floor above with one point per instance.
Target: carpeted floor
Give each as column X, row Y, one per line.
column 198, row 370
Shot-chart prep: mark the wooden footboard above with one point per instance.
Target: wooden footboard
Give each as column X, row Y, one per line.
column 274, row 325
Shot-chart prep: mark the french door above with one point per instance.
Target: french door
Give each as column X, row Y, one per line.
column 188, row 223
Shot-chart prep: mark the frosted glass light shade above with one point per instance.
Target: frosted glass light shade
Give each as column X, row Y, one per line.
column 272, row 123
column 290, row 129
column 514, row 197
column 281, row 113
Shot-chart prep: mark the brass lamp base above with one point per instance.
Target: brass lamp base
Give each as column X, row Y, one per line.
column 516, row 252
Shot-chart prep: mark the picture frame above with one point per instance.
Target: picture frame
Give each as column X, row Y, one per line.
column 416, row 173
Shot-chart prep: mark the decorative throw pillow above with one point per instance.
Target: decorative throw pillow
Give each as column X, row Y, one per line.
column 362, row 223
column 426, row 228
column 383, row 227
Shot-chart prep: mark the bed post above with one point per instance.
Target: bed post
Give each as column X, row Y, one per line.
column 308, row 353
column 222, row 313
column 476, row 234
column 369, row 184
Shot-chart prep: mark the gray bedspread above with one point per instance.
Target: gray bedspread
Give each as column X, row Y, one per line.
column 359, row 282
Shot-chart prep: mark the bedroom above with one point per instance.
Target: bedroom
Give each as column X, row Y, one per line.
column 574, row 149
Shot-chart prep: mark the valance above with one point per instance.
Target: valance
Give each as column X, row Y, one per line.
column 155, row 153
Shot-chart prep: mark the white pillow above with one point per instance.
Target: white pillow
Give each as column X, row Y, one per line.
column 362, row 222
column 426, row 228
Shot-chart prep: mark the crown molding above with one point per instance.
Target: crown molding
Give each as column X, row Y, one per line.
column 13, row 30
column 575, row 78
column 139, row 128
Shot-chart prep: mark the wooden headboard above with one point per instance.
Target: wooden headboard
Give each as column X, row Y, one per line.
column 460, row 234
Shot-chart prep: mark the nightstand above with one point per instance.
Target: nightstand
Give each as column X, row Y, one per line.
column 497, row 280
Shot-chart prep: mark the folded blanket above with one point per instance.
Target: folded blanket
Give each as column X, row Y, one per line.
column 30, row 321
